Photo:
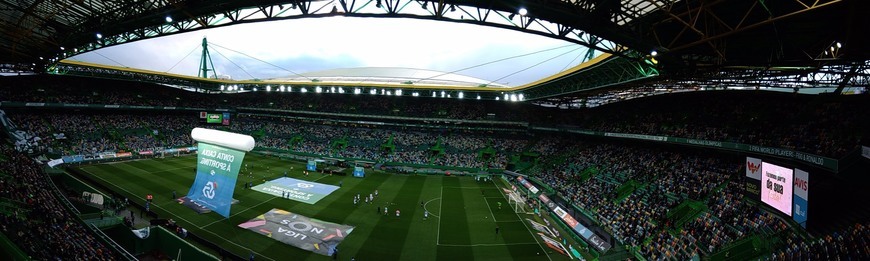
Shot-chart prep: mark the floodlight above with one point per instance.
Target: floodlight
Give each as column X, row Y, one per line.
column 61, row 48
column 839, row 45
column 478, row 97
column 168, row 19
column 255, row 88
column 399, row 92
column 318, row 89
column 433, row 95
column 523, row 11
column 268, row 88
column 304, row 90
column 521, row 97
column 653, row 53
column 41, row 58
column 513, row 97
column 497, row 98
column 506, row 97
column 461, row 95
column 99, row 36
column 356, row 91
column 373, row 92
column 223, row 87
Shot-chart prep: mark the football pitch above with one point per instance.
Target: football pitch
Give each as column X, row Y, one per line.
column 464, row 213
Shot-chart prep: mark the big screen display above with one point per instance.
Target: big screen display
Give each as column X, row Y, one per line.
column 214, row 118
column 776, row 187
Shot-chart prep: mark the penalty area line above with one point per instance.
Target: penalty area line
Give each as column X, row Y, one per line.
column 438, row 234
column 527, row 226
column 486, row 245
column 427, row 209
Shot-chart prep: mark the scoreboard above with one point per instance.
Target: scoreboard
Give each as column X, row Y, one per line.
column 222, row 118
column 783, row 188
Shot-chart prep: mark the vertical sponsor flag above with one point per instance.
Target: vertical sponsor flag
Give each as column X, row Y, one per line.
column 753, row 168
column 801, row 196
column 753, row 176
column 219, row 158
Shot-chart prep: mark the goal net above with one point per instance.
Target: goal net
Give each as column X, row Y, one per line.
column 517, row 202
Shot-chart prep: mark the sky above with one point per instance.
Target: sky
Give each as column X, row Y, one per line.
column 278, row 49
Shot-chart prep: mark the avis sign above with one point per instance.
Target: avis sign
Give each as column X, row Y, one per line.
column 801, row 196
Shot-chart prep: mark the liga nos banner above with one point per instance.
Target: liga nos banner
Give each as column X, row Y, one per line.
column 219, row 157
column 310, row 234
column 801, row 196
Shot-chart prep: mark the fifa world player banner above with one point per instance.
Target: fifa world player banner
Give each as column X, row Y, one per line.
column 801, row 196
column 300, row 231
column 219, row 157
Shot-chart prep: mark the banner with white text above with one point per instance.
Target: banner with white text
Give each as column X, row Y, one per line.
column 801, row 196
column 216, row 172
column 296, row 189
column 300, row 231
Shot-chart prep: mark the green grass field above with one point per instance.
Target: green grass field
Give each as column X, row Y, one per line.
column 461, row 226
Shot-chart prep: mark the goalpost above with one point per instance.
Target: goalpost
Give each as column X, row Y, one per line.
column 517, row 202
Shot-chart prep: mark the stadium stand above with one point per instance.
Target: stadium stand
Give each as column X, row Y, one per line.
column 825, row 126
column 39, row 223
column 630, row 190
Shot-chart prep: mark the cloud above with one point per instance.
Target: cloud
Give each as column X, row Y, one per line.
column 305, row 45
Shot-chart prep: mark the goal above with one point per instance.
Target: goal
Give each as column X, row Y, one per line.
column 517, row 202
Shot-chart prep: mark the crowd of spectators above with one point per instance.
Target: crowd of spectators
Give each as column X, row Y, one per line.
column 89, row 133
column 667, row 178
column 41, row 226
column 826, row 126
column 850, row 244
column 371, row 143
column 84, row 133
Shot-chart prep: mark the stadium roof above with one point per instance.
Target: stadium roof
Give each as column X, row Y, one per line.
column 389, row 75
column 756, row 42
